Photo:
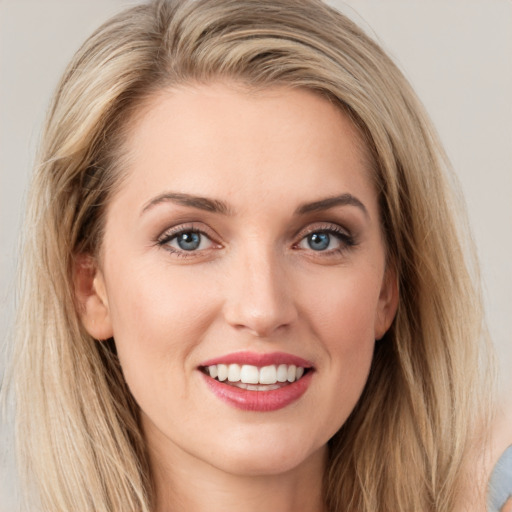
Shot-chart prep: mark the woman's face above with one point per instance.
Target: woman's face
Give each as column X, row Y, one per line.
column 244, row 245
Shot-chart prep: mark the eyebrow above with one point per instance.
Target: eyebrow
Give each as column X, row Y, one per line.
column 202, row 203
column 331, row 202
column 217, row 206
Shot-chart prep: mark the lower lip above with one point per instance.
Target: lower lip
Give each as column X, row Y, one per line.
column 261, row 401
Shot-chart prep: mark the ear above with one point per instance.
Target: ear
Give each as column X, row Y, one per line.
column 388, row 303
column 91, row 297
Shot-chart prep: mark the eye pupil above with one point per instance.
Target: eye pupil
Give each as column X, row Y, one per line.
column 319, row 241
column 189, row 240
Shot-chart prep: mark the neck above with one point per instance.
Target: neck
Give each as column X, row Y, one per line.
column 195, row 486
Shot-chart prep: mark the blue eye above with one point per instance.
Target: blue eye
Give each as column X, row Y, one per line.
column 188, row 241
column 185, row 241
column 319, row 241
column 330, row 240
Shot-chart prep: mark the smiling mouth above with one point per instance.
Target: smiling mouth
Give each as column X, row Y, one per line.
column 254, row 378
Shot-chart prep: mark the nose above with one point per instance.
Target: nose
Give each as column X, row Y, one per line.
column 259, row 299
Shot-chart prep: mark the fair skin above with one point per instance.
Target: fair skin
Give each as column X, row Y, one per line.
column 261, row 264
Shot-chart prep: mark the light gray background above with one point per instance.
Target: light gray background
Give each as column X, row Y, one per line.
column 456, row 53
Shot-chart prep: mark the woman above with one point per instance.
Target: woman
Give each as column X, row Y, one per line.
column 234, row 201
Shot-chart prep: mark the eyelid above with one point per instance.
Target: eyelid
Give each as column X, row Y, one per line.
column 327, row 227
column 344, row 235
column 189, row 227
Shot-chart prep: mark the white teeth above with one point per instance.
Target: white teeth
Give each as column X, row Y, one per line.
column 234, row 373
column 268, row 375
column 292, row 373
column 282, row 373
column 213, row 371
column 256, row 387
column 252, row 375
column 222, row 372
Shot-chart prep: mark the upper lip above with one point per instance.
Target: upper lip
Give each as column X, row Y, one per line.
column 258, row 359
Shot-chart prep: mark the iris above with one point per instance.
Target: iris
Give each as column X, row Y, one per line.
column 319, row 241
column 189, row 241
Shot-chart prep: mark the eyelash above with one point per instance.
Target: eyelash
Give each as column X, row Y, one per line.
column 346, row 240
column 164, row 239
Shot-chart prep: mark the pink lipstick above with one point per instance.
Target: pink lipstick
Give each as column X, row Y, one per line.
column 258, row 382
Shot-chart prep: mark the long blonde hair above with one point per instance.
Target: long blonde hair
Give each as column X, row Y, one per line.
column 406, row 444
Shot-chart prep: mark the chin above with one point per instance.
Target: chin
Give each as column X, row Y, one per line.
column 268, row 455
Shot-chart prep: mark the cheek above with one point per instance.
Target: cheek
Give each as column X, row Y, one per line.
column 343, row 318
column 344, row 311
column 158, row 319
column 156, row 302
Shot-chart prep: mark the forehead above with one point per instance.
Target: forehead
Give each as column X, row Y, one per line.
column 222, row 139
